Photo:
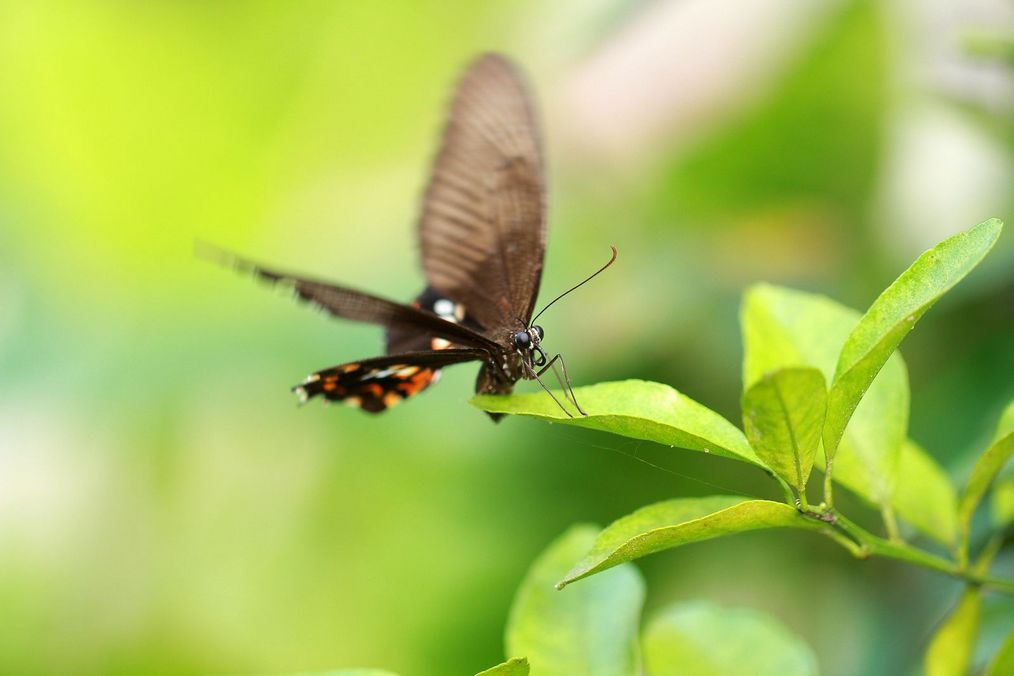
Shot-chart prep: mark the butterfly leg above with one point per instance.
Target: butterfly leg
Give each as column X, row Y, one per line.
column 565, row 385
column 535, row 376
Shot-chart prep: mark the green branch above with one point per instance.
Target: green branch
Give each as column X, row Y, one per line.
column 863, row 544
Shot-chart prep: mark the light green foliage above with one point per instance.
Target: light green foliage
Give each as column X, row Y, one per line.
column 681, row 521
column 591, row 629
column 985, row 470
column 894, row 314
column 951, row 647
column 637, row 409
column 783, row 328
column 701, row 638
column 517, row 666
column 783, row 414
column 925, row 496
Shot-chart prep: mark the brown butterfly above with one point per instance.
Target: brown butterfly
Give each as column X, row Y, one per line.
column 482, row 234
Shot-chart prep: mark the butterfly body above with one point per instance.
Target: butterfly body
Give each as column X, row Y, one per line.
column 482, row 244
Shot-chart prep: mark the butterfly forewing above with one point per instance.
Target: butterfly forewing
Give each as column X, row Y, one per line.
column 348, row 303
column 482, row 229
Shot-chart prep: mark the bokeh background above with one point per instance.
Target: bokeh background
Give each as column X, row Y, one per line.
column 164, row 504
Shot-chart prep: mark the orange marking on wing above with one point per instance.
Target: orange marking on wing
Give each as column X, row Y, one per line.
column 416, row 382
column 374, row 389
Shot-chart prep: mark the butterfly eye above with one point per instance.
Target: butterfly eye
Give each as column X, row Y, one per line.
column 539, row 332
column 522, row 340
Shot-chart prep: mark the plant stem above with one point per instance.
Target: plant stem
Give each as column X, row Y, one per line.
column 828, row 484
column 890, row 523
column 996, row 584
column 790, row 497
column 869, row 544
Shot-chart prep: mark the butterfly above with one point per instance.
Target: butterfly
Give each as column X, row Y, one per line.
column 482, row 236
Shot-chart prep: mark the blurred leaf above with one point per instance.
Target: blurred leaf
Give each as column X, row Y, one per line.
column 989, row 45
column 517, row 666
column 589, row 630
column 894, row 314
column 925, row 496
column 1003, row 662
column 702, row 638
column 782, row 328
column 1002, row 501
column 830, row 104
column 985, row 469
column 681, row 521
column 950, row 650
column 783, row 414
column 638, row 409
column 346, row 672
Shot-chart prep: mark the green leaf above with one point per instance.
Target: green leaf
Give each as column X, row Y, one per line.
column 783, row 414
column 784, row 328
column 589, row 630
column 1003, row 662
column 681, row 521
column 984, row 471
column 517, row 666
column 950, row 650
column 1001, row 503
column 869, row 452
column 894, row 314
column 701, row 638
column 925, row 496
column 636, row 409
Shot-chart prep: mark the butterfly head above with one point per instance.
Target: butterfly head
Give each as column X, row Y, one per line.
column 528, row 344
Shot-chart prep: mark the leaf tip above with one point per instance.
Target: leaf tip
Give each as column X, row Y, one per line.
column 573, row 575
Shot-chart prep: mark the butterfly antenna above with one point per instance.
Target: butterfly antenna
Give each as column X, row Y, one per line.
column 577, row 286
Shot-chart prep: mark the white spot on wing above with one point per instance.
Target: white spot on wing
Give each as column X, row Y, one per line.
column 444, row 307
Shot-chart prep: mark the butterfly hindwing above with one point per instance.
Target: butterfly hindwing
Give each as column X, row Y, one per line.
column 375, row 385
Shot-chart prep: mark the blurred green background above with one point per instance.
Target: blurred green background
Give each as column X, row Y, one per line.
column 166, row 507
